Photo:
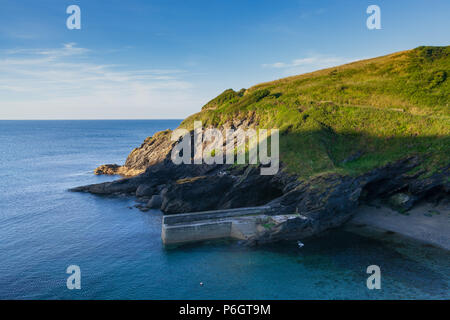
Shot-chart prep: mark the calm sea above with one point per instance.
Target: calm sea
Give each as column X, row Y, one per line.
column 44, row 229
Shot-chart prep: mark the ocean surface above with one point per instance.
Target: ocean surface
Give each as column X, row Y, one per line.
column 44, row 229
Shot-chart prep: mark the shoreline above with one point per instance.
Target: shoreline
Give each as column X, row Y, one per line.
column 425, row 222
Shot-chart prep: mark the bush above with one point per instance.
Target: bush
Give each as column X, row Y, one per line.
column 437, row 78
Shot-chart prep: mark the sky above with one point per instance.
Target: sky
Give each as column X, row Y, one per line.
column 145, row 59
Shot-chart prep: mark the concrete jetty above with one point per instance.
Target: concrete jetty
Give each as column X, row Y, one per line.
column 240, row 223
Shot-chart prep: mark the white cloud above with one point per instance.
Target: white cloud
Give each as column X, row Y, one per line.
column 308, row 64
column 61, row 82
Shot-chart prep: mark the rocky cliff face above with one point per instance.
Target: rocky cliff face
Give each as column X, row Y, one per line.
column 322, row 202
column 152, row 151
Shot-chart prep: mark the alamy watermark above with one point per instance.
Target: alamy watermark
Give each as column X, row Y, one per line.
column 374, row 280
column 238, row 145
column 374, row 20
column 74, row 280
column 74, row 20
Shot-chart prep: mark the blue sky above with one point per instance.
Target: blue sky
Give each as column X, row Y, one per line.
column 139, row 59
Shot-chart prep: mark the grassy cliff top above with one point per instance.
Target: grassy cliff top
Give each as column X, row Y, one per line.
column 351, row 118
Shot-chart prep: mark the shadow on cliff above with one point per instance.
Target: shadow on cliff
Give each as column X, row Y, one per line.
column 316, row 167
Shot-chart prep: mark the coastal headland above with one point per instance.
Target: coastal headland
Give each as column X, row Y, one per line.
column 372, row 131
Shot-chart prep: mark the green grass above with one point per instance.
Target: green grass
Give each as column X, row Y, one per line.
column 269, row 226
column 351, row 118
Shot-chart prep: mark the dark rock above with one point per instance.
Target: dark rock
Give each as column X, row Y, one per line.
column 121, row 186
column 155, row 202
column 195, row 194
column 321, row 203
column 402, row 201
column 439, row 182
column 329, row 200
column 251, row 189
column 389, row 179
column 145, row 190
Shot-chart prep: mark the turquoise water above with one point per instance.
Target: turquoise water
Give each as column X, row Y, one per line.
column 44, row 229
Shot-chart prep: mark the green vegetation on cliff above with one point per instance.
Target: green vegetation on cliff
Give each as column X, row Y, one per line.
column 351, row 118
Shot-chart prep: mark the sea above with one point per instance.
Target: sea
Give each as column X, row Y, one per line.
column 44, row 229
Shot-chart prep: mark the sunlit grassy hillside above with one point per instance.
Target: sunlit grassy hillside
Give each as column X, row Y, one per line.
column 351, row 118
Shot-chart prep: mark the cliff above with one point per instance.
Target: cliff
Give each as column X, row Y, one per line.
column 372, row 129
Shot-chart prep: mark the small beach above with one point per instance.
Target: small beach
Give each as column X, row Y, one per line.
column 426, row 222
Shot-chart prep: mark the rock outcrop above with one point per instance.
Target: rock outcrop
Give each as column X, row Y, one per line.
column 330, row 200
column 114, row 169
column 152, row 151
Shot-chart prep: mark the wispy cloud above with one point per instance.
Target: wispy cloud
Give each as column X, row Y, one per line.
column 55, row 82
column 309, row 63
